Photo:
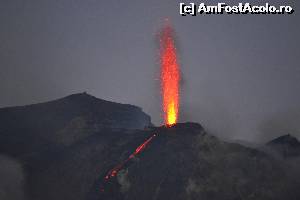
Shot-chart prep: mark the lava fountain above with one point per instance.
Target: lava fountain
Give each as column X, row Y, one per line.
column 169, row 75
column 170, row 78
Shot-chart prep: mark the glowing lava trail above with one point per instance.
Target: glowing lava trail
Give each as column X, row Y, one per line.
column 170, row 76
column 114, row 171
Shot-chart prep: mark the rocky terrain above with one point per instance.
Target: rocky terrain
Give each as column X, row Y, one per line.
column 286, row 146
column 63, row 150
column 29, row 129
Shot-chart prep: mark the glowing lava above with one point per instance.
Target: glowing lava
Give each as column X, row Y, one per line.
column 170, row 76
column 114, row 171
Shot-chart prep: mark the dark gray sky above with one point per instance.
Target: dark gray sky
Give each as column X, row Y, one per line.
column 241, row 73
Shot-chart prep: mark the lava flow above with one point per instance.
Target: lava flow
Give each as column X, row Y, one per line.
column 114, row 171
column 170, row 76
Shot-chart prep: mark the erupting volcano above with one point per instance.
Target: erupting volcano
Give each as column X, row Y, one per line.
column 169, row 76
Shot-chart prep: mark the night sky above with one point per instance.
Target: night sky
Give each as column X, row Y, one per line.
column 240, row 73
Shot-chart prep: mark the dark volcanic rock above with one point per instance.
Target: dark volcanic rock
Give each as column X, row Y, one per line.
column 183, row 162
column 26, row 130
column 287, row 146
column 66, row 147
column 74, row 172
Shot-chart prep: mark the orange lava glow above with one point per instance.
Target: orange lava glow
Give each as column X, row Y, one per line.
column 170, row 76
column 114, row 171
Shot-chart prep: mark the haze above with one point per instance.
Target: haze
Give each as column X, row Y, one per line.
column 241, row 73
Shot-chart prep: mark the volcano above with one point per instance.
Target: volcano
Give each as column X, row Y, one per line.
column 184, row 162
column 287, row 146
column 181, row 162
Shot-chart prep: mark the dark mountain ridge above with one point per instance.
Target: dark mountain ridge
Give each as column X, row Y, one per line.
column 286, row 146
column 62, row 122
column 67, row 146
column 184, row 162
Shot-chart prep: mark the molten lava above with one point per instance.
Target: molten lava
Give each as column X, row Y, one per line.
column 114, row 171
column 170, row 76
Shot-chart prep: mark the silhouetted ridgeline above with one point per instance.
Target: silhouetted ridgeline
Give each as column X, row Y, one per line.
column 63, row 149
column 26, row 129
column 286, row 146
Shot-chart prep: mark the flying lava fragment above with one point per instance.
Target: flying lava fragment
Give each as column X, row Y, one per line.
column 169, row 75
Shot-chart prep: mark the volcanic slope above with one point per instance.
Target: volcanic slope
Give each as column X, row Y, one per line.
column 184, row 162
column 180, row 162
column 27, row 130
column 287, row 146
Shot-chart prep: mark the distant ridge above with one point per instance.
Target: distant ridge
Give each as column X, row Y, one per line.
column 66, row 147
column 61, row 122
column 286, row 145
